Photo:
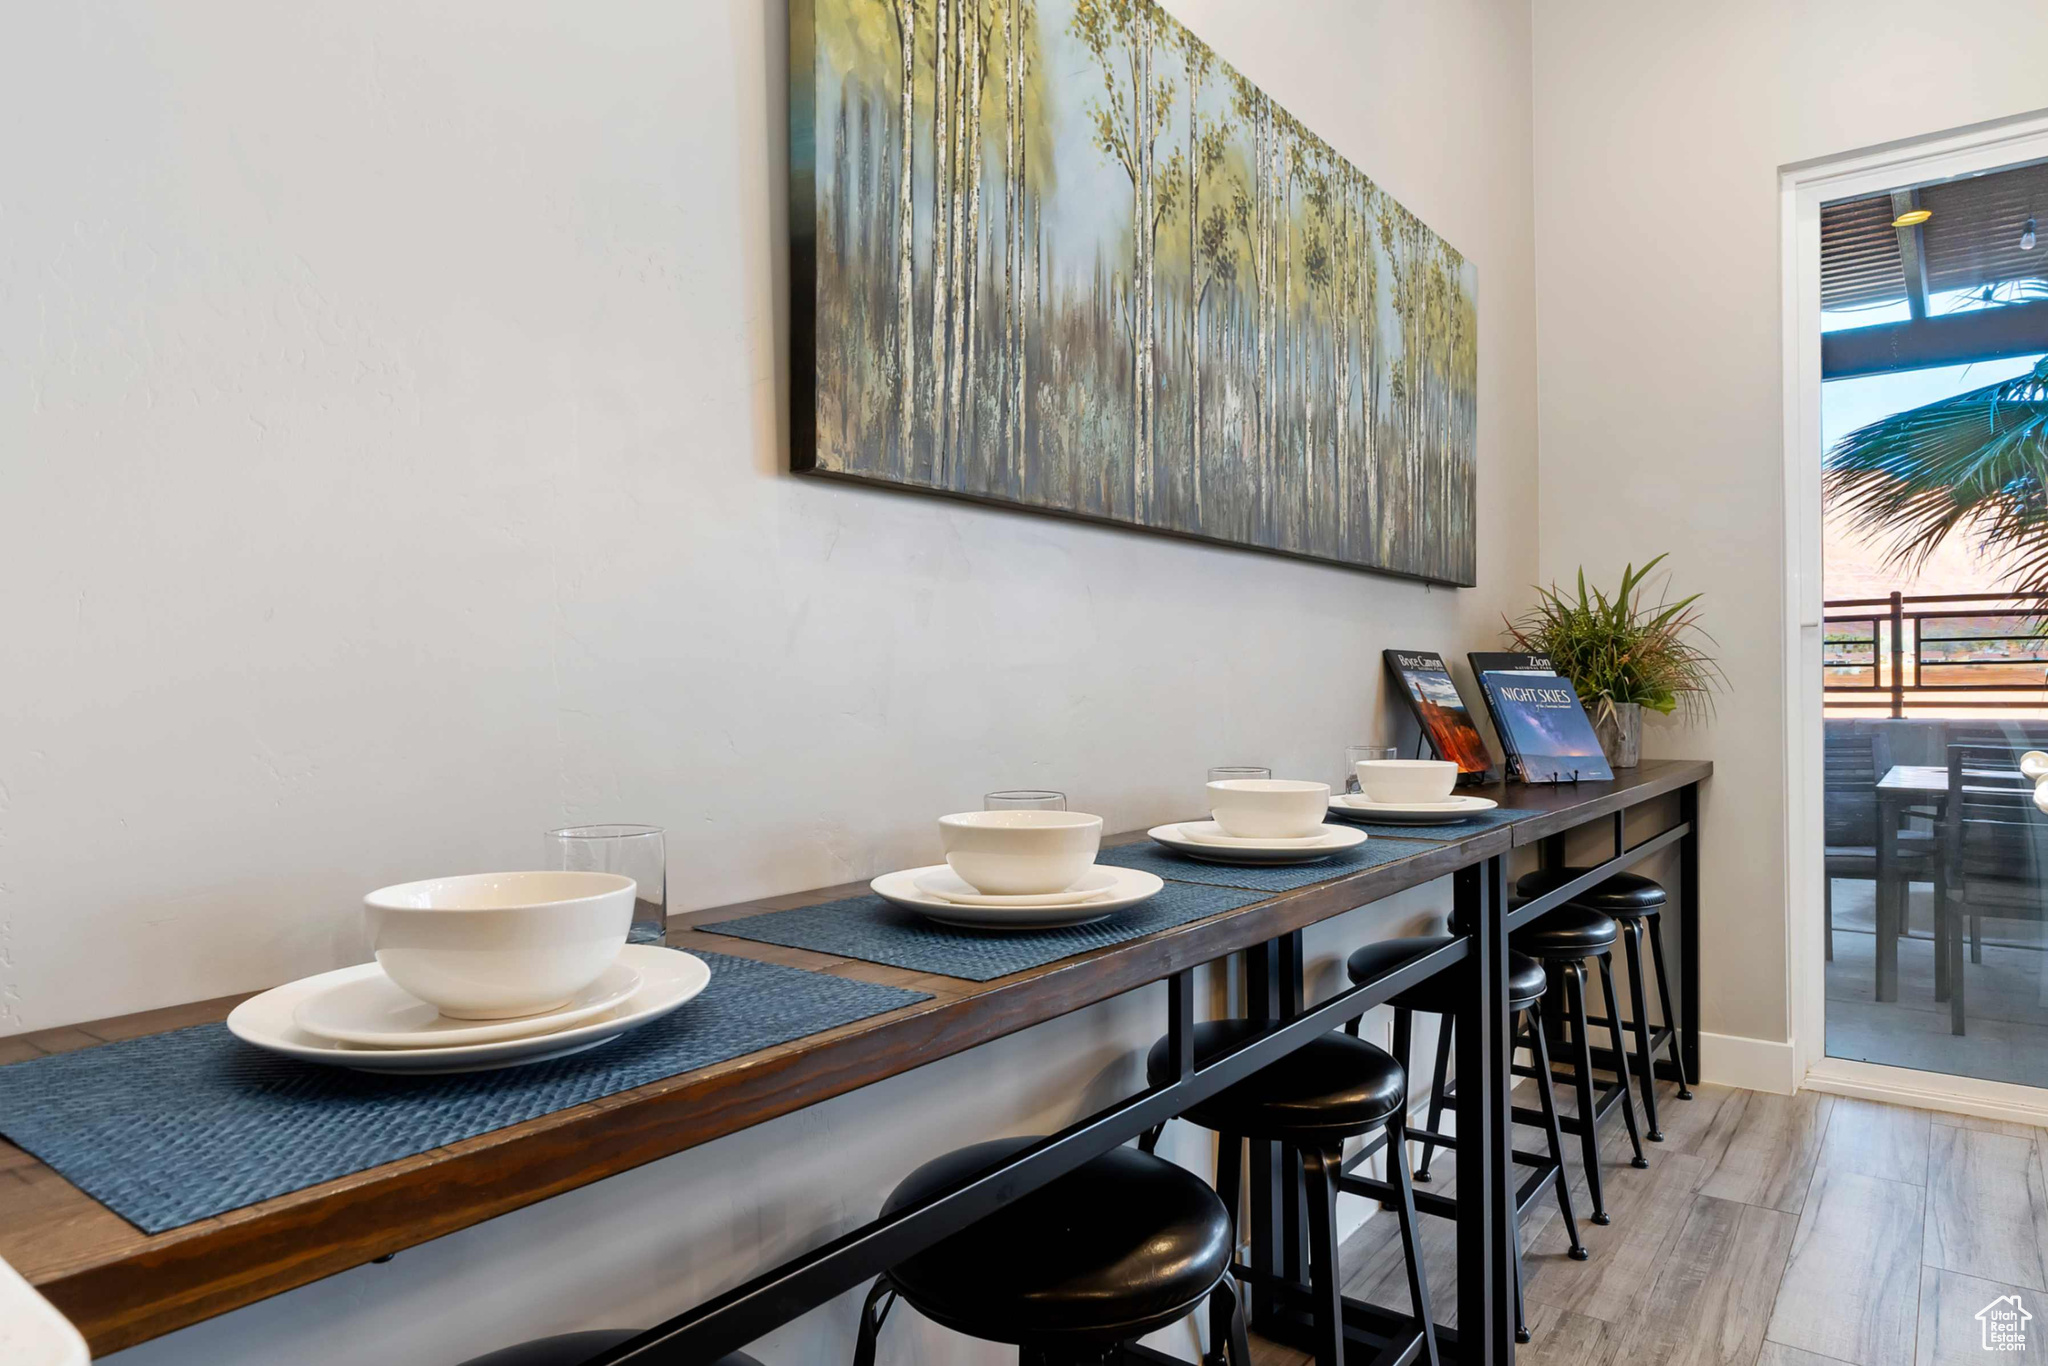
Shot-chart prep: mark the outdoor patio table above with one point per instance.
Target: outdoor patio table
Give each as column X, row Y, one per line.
column 1903, row 785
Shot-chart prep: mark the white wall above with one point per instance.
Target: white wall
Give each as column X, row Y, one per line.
column 389, row 400
column 1659, row 134
column 392, row 417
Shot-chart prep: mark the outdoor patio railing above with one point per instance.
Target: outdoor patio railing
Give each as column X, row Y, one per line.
column 1934, row 653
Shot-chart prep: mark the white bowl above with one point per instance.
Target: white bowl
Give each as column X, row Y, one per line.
column 490, row 946
column 1405, row 782
column 1268, row 808
column 1014, row 853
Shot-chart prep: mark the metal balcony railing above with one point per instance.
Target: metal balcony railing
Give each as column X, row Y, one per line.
column 1933, row 653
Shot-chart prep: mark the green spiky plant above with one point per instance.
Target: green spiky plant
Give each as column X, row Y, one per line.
column 1979, row 459
column 1620, row 649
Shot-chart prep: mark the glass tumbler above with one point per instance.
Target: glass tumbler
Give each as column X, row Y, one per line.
column 637, row 851
column 1360, row 754
column 1025, row 799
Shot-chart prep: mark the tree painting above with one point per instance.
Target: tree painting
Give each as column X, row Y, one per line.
column 1058, row 254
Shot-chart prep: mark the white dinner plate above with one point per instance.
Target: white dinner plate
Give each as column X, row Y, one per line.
column 1210, row 832
column 1128, row 887
column 668, row 979
column 1188, row 837
column 950, row 886
column 378, row 1013
column 1354, row 806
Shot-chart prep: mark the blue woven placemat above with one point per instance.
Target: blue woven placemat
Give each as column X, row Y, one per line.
column 1449, row 830
column 170, row 1128
column 1285, row 877
column 869, row 928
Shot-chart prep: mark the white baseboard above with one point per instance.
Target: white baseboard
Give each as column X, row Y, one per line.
column 1930, row 1090
column 1752, row 1064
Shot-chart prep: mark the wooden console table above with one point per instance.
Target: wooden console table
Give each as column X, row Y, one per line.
column 122, row 1287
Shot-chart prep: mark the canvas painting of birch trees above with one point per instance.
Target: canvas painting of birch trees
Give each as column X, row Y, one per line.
column 1057, row 253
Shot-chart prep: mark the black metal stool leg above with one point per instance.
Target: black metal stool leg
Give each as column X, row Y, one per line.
column 1664, row 1001
column 1228, row 1344
column 1228, row 1325
column 1582, row 1083
column 1411, row 1244
column 1149, row 1140
column 1404, row 1044
column 1229, row 1182
column 1614, row 1039
column 1319, row 1168
column 1439, row 1083
column 1639, row 998
column 1521, row 1318
column 1578, row 1251
column 881, row 1298
column 1515, row 1028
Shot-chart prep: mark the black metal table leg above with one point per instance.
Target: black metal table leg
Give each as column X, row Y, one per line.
column 1485, row 1178
column 1689, row 932
column 1277, row 1228
column 1294, row 1226
column 1262, row 1232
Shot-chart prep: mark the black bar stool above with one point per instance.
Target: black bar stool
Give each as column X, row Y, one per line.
column 1634, row 904
column 1563, row 940
column 1323, row 1093
column 1441, row 995
column 1117, row 1248
column 573, row 1349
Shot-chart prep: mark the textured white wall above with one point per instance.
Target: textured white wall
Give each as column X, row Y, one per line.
column 391, row 405
column 1660, row 131
column 389, row 400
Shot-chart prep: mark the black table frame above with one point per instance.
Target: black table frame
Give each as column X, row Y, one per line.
column 1279, row 1293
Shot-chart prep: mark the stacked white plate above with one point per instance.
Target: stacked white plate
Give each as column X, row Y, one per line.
column 1206, row 840
column 1357, row 807
column 358, row 1017
column 938, row 893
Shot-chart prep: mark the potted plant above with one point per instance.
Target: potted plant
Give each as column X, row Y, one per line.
column 1622, row 654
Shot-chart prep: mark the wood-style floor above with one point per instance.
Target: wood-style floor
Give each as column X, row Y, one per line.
column 1768, row 1231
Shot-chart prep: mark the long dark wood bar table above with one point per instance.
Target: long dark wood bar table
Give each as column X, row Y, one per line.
column 122, row 1287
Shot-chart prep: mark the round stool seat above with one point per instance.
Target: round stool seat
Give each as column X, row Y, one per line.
column 1120, row 1246
column 1570, row 931
column 573, row 1349
column 1621, row 896
column 1334, row 1087
column 1526, row 978
column 1444, row 993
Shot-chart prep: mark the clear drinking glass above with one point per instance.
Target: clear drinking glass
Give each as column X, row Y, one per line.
column 637, row 851
column 1360, row 754
column 1025, row 799
column 1229, row 771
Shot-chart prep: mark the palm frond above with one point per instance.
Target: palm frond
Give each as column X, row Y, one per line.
column 1978, row 459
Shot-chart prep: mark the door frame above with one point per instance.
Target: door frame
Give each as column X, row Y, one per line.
column 1803, row 188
